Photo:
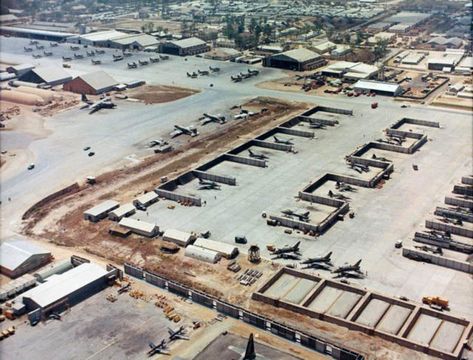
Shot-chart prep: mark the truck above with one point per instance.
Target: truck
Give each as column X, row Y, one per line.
column 435, row 302
column 374, row 105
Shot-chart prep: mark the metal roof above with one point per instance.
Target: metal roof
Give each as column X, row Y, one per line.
column 102, row 35
column 218, row 246
column 146, row 198
column 142, row 39
column 103, row 207
column 376, row 85
column 300, row 55
column 59, row 286
column 189, row 42
column 99, row 80
column 123, row 210
column 16, row 251
column 177, row 236
column 35, row 32
column 51, row 74
column 134, row 224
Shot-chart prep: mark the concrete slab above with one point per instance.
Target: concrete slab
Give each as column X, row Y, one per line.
column 424, row 329
column 344, row 304
column 447, row 337
column 325, row 299
column 299, row 291
column 394, row 319
column 281, row 286
column 373, row 312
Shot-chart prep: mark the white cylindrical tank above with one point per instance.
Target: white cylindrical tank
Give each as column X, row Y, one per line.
column 17, row 83
column 202, row 254
column 56, row 268
column 21, row 98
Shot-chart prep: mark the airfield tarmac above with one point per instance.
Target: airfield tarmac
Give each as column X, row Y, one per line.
column 383, row 216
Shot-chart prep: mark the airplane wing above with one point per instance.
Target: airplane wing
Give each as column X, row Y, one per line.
column 151, row 345
column 94, row 109
column 175, row 133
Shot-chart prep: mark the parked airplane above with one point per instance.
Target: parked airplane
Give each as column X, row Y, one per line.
column 301, row 216
column 66, row 58
column 117, row 57
column 253, row 72
column 319, row 259
column 95, row 62
column 132, row 65
column 27, row 49
column 282, row 141
column 338, row 196
column 249, row 353
column 344, row 187
column 154, row 60
column 75, row 48
column 143, row 62
column 208, row 185
column 360, row 168
column 48, row 53
column 214, row 70
column 158, row 349
column 99, row 52
column 207, row 118
column 124, row 288
column 287, row 249
column 192, row 75
column 39, row 47
column 159, row 142
column 105, row 103
column 53, row 44
column 33, row 42
column 179, row 130
column 164, row 57
column 127, row 54
column 348, row 268
column 177, row 334
column 374, row 157
column 314, row 124
column 78, row 56
column 256, row 155
column 90, row 53
column 203, row 72
column 287, row 256
column 37, row 56
column 319, row 266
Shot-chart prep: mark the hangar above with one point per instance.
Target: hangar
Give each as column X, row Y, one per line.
column 46, row 75
column 189, row 46
column 297, row 59
column 19, row 256
column 92, row 83
column 350, row 70
column 135, row 42
column 378, row 87
column 34, row 33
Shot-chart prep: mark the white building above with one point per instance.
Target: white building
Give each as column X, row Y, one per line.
column 202, row 254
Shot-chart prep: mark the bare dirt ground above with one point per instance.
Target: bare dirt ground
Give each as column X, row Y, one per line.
column 151, row 94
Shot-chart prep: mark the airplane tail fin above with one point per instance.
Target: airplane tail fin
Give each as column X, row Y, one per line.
column 84, row 98
column 251, row 152
column 250, row 353
column 358, row 263
column 329, row 255
column 297, row 245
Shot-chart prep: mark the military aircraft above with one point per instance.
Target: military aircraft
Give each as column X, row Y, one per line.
column 397, row 138
column 319, row 259
column 117, row 57
column 177, row 334
column 253, row 72
column 132, row 65
column 432, row 249
column 105, row 103
column 75, row 48
column 27, row 49
column 164, row 57
column 126, row 54
column 207, row 118
column 374, row 157
column 249, row 353
column 37, row 56
column 287, row 249
column 319, row 266
column 331, row 194
column 95, row 62
column 99, row 52
column 39, row 47
column 256, row 155
column 450, row 220
column 143, row 62
column 48, row 53
column 236, row 78
column 158, row 349
column 154, row 60
column 287, row 256
column 208, row 185
column 344, row 187
column 78, row 56
column 203, row 72
column 192, row 75
column 33, row 42
column 301, row 216
column 124, row 288
column 179, row 130
column 359, row 168
column 314, row 124
column 214, row 70
column 282, row 141
column 348, row 268
column 159, row 142
column 90, row 53
column 66, row 58
column 53, row 44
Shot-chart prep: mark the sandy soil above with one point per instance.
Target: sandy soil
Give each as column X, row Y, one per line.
column 151, row 94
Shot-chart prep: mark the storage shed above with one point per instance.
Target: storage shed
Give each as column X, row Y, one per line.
column 19, row 256
column 121, row 212
column 17, row 286
column 146, row 199
column 93, row 83
column 140, row 227
column 69, row 288
column 51, row 75
column 57, row 267
column 202, row 254
column 101, row 210
column 378, row 87
column 296, row 59
column 178, row 237
column 223, row 249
